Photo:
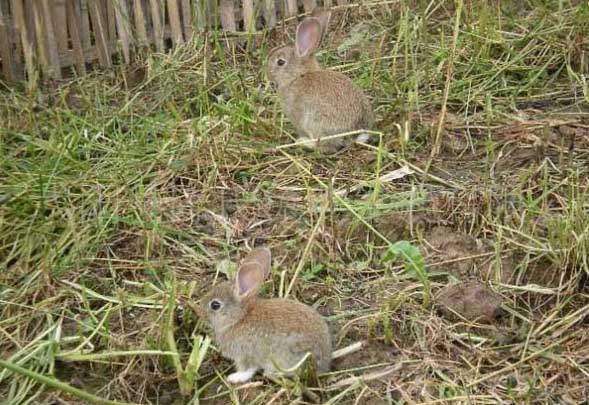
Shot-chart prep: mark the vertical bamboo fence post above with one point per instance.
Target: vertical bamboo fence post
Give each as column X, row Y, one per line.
column 21, row 30
column 291, row 8
column 84, row 23
column 51, row 40
column 175, row 27
column 227, row 14
column 111, row 20
column 59, row 15
column 122, row 24
column 100, row 34
column 5, row 46
column 41, row 39
column 140, row 29
column 158, row 31
column 309, row 5
column 270, row 13
column 74, row 29
column 187, row 19
column 249, row 19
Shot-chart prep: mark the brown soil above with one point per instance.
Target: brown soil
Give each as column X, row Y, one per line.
column 374, row 352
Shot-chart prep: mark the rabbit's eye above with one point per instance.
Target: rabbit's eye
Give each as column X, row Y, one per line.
column 281, row 62
column 215, row 305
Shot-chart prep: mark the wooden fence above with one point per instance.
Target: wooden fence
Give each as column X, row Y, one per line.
column 55, row 35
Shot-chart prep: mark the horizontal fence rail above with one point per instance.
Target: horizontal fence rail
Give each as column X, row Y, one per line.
column 54, row 35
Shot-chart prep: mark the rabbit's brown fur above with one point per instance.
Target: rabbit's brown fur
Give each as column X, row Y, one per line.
column 267, row 334
column 318, row 102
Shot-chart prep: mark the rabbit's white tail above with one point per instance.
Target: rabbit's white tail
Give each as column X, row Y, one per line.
column 363, row 137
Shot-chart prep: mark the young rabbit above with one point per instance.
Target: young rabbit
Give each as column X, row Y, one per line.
column 267, row 334
column 318, row 102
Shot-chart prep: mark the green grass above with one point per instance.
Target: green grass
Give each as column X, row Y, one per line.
column 121, row 197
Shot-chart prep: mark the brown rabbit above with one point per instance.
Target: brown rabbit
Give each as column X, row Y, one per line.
column 318, row 102
column 267, row 334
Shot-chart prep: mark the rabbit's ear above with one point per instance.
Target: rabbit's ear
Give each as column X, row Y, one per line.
column 308, row 36
column 323, row 17
column 252, row 272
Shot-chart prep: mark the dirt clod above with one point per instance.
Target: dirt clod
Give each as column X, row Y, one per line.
column 456, row 249
column 471, row 300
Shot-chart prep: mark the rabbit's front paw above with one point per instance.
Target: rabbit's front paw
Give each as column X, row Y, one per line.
column 241, row 376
